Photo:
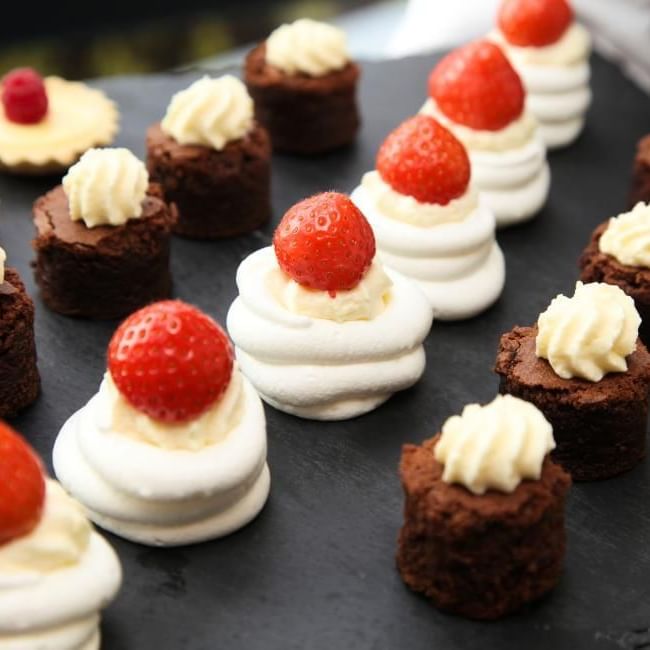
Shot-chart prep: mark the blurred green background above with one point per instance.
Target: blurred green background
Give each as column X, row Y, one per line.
column 86, row 39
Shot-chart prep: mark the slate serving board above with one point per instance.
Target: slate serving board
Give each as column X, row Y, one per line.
column 316, row 570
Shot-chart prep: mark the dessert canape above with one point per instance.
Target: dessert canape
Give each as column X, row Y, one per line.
column 56, row 573
column 428, row 222
column 550, row 51
column 212, row 160
column 476, row 93
column 102, row 238
column 585, row 368
column 172, row 449
column 46, row 124
column 640, row 190
column 319, row 327
column 19, row 378
column 304, row 86
column 619, row 253
column 483, row 531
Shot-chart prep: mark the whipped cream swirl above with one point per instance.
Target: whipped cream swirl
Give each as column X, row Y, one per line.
column 307, row 46
column 627, row 237
column 449, row 251
column 319, row 368
column 495, row 446
column 137, row 484
column 56, row 580
column 556, row 78
column 590, row 334
column 106, row 187
column 509, row 167
column 211, row 112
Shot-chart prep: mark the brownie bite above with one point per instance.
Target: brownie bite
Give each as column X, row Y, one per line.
column 640, row 189
column 305, row 88
column 483, row 549
column 599, row 422
column 212, row 160
column 633, row 278
column 102, row 271
column 19, row 378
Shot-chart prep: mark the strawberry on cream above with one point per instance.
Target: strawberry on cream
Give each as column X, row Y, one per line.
column 429, row 222
column 319, row 325
column 56, row 573
column 476, row 93
column 172, row 449
column 550, row 51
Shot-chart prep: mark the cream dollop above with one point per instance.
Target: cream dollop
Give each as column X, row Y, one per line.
column 118, row 416
column 3, row 259
column 518, row 133
column 627, row 237
column 589, row 334
column 59, row 540
column 572, row 48
column 106, row 187
column 495, row 446
column 366, row 301
column 211, row 112
column 409, row 210
column 307, row 46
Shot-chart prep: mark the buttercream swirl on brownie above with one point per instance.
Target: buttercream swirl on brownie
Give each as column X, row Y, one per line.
column 590, row 334
column 307, row 46
column 106, row 187
column 211, row 112
column 494, row 446
column 627, row 237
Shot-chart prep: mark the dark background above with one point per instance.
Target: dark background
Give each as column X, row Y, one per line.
column 78, row 39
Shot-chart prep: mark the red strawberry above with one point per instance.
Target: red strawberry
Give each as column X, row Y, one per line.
column 22, row 486
column 325, row 243
column 24, row 97
column 534, row 22
column 170, row 361
column 424, row 160
column 477, row 86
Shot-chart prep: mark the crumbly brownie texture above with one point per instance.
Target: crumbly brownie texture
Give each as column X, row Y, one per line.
column 304, row 115
column 479, row 556
column 640, row 190
column 217, row 193
column 633, row 280
column 104, row 272
column 19, row 378
column 599, row 427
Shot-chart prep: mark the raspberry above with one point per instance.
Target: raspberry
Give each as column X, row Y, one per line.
column 170, row 361
column 22, row 486
column 477, row 86
column 24, row 97
column 325, row 243
column 534, row 22
column 424, row 160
